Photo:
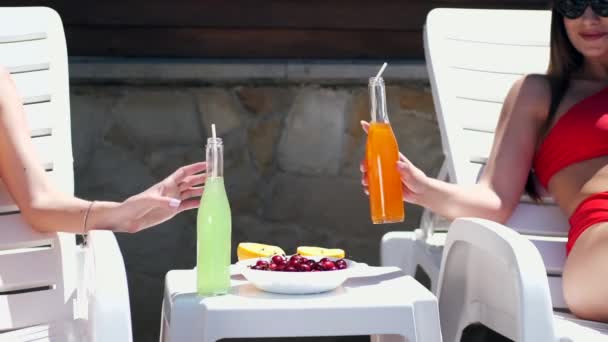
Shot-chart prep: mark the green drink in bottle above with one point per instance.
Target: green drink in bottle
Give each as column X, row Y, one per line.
column 214, row 226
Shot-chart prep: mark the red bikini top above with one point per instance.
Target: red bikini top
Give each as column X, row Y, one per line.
column 580, row 134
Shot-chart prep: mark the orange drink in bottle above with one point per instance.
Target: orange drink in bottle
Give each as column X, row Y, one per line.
column 382, row 154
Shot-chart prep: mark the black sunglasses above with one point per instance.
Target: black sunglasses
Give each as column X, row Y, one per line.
column 573, row 9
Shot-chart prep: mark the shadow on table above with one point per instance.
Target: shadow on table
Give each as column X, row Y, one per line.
column 370, row 280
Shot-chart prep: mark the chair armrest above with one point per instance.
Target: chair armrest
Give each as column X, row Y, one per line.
column 497, row 277
column 109, row 313
column 397, row 249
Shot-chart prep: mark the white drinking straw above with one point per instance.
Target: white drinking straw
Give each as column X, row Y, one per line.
column 380, row 72
column 214, row 146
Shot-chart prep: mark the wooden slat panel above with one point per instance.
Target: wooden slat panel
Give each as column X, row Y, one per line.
column 35, row 260
column 318, row 14
column 357, row 14
column 16, row 233
column 391, row 18
column 32, row 54
column 33, row 85
column 238, row 43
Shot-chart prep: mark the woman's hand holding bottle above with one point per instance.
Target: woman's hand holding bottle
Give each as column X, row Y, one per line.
column 176, row 193
column 414, row 181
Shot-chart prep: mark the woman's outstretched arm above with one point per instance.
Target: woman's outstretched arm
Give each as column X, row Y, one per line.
column 47, row 209
column 503, row 180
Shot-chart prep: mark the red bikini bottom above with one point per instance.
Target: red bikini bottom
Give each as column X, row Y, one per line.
column 592, row 210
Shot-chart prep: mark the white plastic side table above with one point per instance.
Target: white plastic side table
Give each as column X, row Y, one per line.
column 382, row 301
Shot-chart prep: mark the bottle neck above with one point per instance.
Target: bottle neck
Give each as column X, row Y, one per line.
column 377, row 100
column 215, row 157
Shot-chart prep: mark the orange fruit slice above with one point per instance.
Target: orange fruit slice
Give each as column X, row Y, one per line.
column 250, row 250
column 320, row 251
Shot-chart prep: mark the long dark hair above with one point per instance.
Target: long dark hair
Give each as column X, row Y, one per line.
column 564, row 59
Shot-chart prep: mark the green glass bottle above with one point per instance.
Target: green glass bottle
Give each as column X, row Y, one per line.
column 214, row 227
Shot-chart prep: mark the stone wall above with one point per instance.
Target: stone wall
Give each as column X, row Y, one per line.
column 292, row 153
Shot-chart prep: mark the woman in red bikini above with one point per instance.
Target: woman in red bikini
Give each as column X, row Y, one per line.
column 557, row 125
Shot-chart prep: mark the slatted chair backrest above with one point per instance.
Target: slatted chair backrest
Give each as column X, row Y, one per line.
column 37, row 279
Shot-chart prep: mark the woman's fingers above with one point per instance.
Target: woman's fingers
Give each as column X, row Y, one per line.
column 364, row 180
column 365, row 126
column 407, row 193
column 151, row 201
column 363, row 165
column 191, row 181
column 190, row 204
column 404, row 171
column 192, row 192
column 404, row 158
column 183, row 172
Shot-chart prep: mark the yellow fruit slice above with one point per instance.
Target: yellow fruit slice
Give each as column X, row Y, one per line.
column 320, row 251
column 250, row 250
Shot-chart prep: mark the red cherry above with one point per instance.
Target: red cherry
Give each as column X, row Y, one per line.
column 341, row 266
column 290, row 269
column 333, row 269
column 304, row 268
column 262, row 263
column 280, row 268
column 272, row 267
column 318, row 267
column 327, row 265
column 294, row 263
column 279, row 260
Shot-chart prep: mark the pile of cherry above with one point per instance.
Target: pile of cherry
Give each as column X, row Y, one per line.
column 298, row 263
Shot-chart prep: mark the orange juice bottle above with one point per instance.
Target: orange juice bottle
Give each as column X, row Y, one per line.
column 382, row 153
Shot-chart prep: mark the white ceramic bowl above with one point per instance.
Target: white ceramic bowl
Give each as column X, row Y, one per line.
column 297, row 282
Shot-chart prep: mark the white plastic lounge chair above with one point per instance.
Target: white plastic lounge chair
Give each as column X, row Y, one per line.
column 506, row 277
column 43, row 275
